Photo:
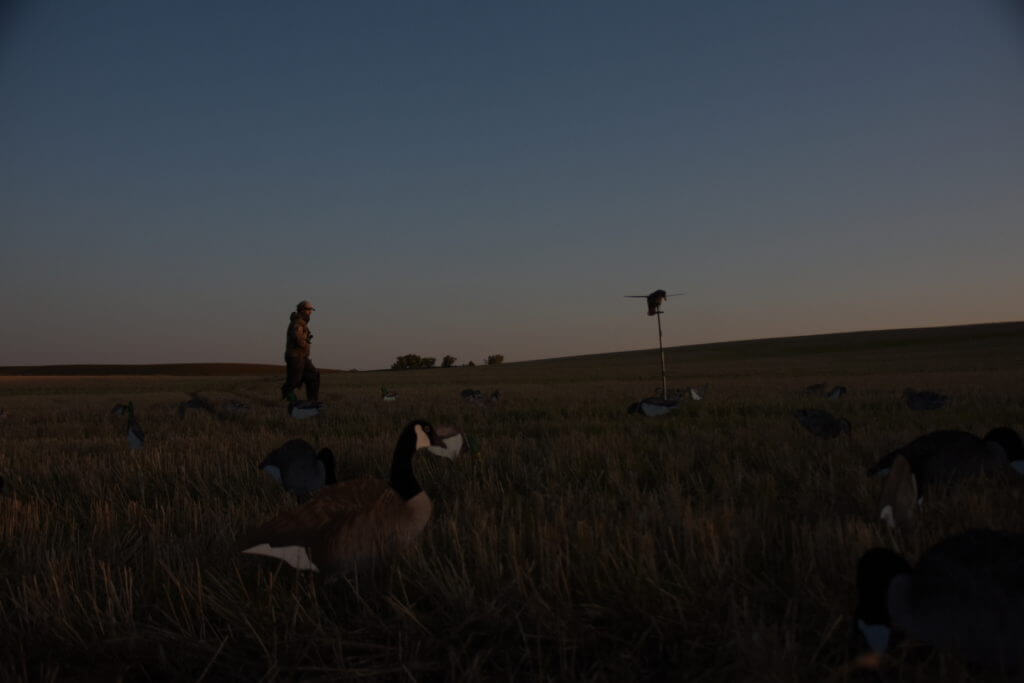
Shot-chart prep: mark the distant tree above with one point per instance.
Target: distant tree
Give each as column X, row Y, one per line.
column 407, row 362
column 470, row 364
column 427, row 362
column 448, row 361
column 496, row 359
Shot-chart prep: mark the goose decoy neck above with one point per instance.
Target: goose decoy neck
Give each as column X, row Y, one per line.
column 875, row 572
column 416, row 435
column 326, row 456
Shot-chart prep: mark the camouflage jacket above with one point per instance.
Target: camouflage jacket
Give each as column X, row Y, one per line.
column 298, row 338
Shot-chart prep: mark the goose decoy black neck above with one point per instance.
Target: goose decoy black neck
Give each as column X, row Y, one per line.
column 418, row 434
column 875, row 571
column 326, row 456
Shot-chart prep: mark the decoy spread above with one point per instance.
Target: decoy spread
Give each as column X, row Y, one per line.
column 653, row 407
column 353, row 523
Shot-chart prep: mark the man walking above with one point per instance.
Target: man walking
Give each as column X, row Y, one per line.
column 296, row 356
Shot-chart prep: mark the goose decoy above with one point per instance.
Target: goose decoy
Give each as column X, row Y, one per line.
column 697, row 393
column 302, row 410
column 836, row 393
column 899, row 498
column 455, row 443
column 964, row 595
column 472, row 395
column 924, row 400
column 822, row 424
column 653, row 407
column 388, row 395
column 197, row 403
column 352, row 523
column 119, row 409
column 136, row 437
column 493, row 399
column 950, row 455
column 300, row 469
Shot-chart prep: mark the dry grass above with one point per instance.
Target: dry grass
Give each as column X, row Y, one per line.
column 582, row 544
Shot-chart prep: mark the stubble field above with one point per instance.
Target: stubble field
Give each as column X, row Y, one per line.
column 582, row 543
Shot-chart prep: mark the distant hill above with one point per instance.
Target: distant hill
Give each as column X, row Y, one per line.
column 176, row 369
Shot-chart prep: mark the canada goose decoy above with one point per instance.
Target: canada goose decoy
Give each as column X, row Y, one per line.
column 815, row 389
column 924, row 400
column 455, row 443
column 836, row 393
column 697, row 393
column 302, row 410
column 823, row 424
column 354, row 522
column 136, row 437
column 899, row 498
column 300, row 469
column 197, row 403
column 950, row 455
column 472, row 395
column 653, row 407
column 964, row 595
column 388, row 395
column 119, row 409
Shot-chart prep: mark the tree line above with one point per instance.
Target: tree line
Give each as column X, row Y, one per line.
column 411, row 361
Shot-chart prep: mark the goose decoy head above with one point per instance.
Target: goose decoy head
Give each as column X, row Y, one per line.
column 416, row 436
column 876, row 570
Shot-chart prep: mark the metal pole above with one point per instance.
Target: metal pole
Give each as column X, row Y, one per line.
column 664, row 381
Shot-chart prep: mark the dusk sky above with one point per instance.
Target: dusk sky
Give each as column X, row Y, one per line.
column 473, row 178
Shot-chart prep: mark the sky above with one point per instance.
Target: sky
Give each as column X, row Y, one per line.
column 472, row 178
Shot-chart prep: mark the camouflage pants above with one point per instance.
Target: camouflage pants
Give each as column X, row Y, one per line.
column 301, row 371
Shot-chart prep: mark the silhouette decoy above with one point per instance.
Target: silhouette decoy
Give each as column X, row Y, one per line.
column 950, row 455
column 965, row 595
column 300, row 469
column 353, row 523
column 822, row 424
column 924, row 400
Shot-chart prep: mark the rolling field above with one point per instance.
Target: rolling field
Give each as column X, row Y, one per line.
column 582, row 543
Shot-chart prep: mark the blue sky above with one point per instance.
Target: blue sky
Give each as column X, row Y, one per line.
column 475, row 178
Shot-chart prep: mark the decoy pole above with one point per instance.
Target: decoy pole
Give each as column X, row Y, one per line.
column 661, row 349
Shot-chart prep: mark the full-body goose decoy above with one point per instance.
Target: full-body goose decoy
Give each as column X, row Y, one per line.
column 387, row 395
column 822, row 424
column 353, row 522
column 653, row 406
column 302, row 410
column 300, row 469
column 924, row 400
column 455, row 443
column 966, row 594
column 698, row 393
column 196, row 403
column 950, row 455
column 836, row 392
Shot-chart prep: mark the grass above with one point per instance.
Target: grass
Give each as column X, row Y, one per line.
column 582, row 544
